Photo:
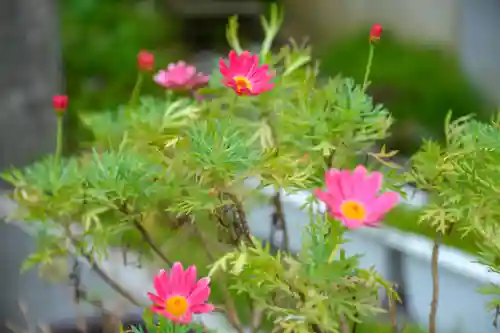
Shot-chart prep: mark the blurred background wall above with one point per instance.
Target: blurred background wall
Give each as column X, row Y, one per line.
column 468, row 29
column 30, row 72
column 424, row 21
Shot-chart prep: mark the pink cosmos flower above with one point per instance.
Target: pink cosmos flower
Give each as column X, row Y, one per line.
column 180, row 76
column 244, row 74
column 179, row 294
column 352, row 197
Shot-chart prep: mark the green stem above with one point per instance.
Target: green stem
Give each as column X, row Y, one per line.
column 59, row 137
column 368, row 66
column 135, row 93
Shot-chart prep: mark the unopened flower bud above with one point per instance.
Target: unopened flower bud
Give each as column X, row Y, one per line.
column 376, row 32
column 60, row 103
column 145, row 61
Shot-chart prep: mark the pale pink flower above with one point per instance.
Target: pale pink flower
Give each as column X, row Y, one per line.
column 180, row 76
column 179, row 295
column 353, row 197
column 244, row 75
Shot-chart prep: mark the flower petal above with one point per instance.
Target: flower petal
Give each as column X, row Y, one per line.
column 351, row 224
column 157, row 300
column 202, row 308
column 373, row 184
column 161, row 284
column 359, row 174
column 168, row 315
column 201, row 292
column 160, row 78
column 224, row 70
column 333, row 187
column 176, row 277
column 381, row 205
column 186, row 318
column 190, row 279
column 234, row 61
column 157, row 308
column 345, row 184
column 332, row 178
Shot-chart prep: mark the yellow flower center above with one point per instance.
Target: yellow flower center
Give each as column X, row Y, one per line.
column 353, row 210
column 176, row 306
column 242, row 83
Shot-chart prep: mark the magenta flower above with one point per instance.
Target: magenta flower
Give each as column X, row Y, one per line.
column 181, row 77
column 352, row 197
column 244, row 74
column 179, row 294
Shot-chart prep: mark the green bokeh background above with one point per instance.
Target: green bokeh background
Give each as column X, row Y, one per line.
column 418, row 84
column 100, row 40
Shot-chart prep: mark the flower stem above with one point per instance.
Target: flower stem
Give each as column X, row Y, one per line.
column 368, row 66
column 135, row 92
column 145, row 234
column 393, row 313
column 59, row 137
column 435, row 278
column 100, row 271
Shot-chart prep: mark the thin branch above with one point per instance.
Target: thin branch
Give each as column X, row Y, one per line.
column 145, row 235
column 108, row 280
column 393, row 313
column 279, row 218
column 344, row 328
column 435, row 279
column 147, row 238
column 435, row 284
column 256, row 318
column 242, row 216
column 99, row 271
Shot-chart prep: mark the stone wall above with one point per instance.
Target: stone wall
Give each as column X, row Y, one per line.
column 29, row 76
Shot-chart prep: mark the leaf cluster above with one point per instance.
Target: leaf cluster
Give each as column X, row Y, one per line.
column 318, row 289
column 462, row 177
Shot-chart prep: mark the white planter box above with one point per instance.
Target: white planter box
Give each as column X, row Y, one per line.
column 461, row 307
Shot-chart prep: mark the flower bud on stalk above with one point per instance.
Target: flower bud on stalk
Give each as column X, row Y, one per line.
column 376, row 32
column 60, row 103
column 145, row 61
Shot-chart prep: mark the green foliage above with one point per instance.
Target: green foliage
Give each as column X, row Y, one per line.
column 169, row 172
column 463, row 175
column 406, row 219
column 418, row 84
column 315, row 289
column 100, row 42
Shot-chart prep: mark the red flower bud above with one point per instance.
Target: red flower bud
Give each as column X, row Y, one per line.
column 376, row 32
column 60, row 103
column 145, row 61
